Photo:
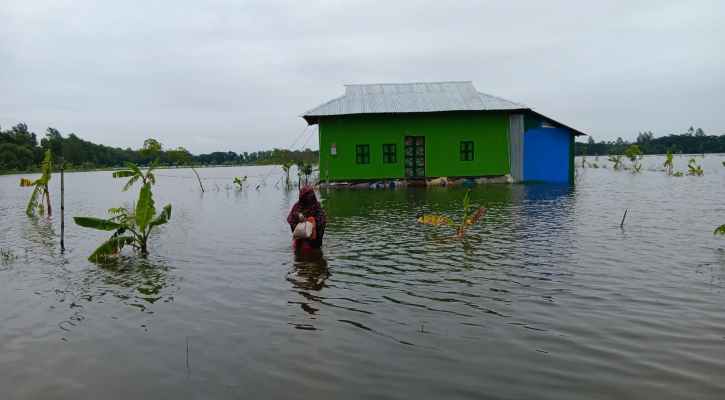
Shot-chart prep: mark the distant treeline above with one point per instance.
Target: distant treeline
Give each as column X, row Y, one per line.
column 20, row 150
column 692, row 142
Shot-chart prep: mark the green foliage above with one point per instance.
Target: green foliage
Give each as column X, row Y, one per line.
column 678, row 174
column 19, row 151
column 304, row 169
column 617, row 160
column 179, row 156
column 668, row 163
column 720, row 229
column 135, row 173
column 438, row 220
column 40, row 195
column 150, row 148
column 693, row 141
column 240, row 182
column 634, row 154
column 694, row 169
column 139, row 224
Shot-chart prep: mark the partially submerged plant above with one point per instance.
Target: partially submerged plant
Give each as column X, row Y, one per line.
column 634, row 154
column 304, row 168
column 694, row 168
column 437, row 220
column 668, row 162
column 617, row 160
column 40, row 195
column 720, row 229
column 138, row 223
column 240, row 182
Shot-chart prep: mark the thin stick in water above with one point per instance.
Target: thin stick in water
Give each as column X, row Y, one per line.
column 327, row 178
column 625, row 216
column 62, row 207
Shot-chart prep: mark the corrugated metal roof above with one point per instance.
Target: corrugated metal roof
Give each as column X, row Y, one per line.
column 411, row 97
column 416, row 97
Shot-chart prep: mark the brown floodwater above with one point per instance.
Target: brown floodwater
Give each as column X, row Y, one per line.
column 547, row 297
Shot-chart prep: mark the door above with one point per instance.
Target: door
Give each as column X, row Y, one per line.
column 414, row 152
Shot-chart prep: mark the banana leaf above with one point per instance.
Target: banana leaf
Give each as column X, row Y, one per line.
column 35, row 199
column 435, row 220
column 476, row 217
column 720, row 229
column 97, row 223
column 110, row 247
column 27, row 182
column 123, row 174
column 145, row 210
column 163, row 217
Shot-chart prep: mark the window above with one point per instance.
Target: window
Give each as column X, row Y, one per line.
column 390, row 156
column 466, row 151
column 362, row 154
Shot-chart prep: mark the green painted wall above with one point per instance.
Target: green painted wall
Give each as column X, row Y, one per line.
column 443, row 132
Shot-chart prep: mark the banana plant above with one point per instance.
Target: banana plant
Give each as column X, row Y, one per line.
column 438, row 220
column 720, row 229
column 240, row 182
column 138, row 223
column 135, row 173
column 694, row 169
column 668, row 163
column 40, row 194
column 617, row 160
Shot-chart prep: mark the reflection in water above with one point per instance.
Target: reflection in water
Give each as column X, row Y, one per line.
column 133, row 280
column 308, row 276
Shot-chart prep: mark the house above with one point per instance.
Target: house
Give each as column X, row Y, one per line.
column 419, row 131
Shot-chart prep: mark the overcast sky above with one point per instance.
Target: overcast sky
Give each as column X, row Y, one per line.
column 234, row 75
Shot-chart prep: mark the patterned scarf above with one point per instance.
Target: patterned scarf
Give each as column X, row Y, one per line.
column 309, row 207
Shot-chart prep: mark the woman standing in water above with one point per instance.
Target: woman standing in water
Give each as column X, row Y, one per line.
column 310, row 210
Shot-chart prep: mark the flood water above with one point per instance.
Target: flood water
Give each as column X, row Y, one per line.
column 547, row 297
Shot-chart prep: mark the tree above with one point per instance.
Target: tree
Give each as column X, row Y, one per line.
column 150, row 148
column 590, row 140
column 179, row 156
column 700, row 133
column 52, row 133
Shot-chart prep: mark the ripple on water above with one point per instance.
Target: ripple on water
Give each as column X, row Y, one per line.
column 546, row 297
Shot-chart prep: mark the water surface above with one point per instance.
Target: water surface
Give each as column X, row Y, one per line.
column 547, row 297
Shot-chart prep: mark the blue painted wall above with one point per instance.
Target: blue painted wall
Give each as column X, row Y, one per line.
column 546, row 154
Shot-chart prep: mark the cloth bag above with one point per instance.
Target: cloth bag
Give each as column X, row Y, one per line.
column 303, row 230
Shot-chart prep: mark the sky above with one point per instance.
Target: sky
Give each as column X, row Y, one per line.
column 235, row 75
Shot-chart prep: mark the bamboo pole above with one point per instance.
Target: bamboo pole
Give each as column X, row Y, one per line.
column 62, row 206
column 327, row 178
